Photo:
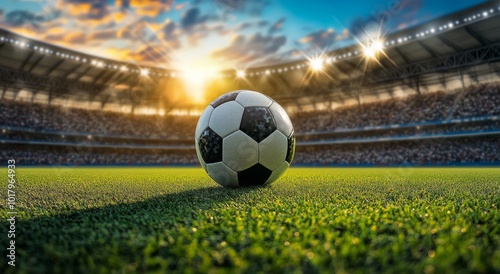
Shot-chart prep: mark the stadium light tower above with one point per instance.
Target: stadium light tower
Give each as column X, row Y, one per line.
column 144, row 72
column 373, row 49
column 316, row 63
column 240, row 73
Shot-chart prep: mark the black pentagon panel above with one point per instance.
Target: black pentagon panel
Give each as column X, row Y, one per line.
column 210, row 145
column 256, row 175
column 230, row 96
column 291, row 148
column 258, row 123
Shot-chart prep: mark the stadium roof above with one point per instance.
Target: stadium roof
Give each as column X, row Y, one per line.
column 455, row 41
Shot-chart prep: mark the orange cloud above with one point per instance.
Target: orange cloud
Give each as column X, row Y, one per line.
column 306, row 40
column 345, row 34
column 109, row 18
column 57, row 30
column 26, row 31
column 155, row 26
column 101, row 35
column 74, row 37
column 119, row 16
column 151, row 11
column 119, row 54
column 180, row 6
column 131, row 31
column 150, row 8
column 149, row 3
column 69, row 39
column 76, row 9
column 142, row 3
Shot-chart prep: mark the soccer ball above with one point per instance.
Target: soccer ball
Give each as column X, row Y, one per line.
column 244, row 138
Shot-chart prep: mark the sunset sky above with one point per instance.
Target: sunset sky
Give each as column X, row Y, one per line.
column 209, row 33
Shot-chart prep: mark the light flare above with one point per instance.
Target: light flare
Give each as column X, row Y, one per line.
column 316, row 63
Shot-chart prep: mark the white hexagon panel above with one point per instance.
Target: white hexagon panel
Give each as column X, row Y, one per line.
column 230, row 113
column 239, row 151
column 278, row 172
column 203, row 121
column 222, row 174
column 273, row 150
column 281, row 118
column 249, row 98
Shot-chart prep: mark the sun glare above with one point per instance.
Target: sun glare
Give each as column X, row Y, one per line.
column 195, row 80
column 240, row 73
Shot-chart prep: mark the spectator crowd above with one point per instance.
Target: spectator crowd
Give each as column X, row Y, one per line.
column 45, row 117
column 482, row 100
column 474, row 101
column 88, row 155
column 423, row 152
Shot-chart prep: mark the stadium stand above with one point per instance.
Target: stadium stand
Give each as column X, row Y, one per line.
column 481, row 100
column 478, row 150
column 458, row 127
column 48, row 118
column 91, row 155
column 454, row 126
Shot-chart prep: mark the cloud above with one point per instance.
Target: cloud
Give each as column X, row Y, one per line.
column 202, row 32
column 253, row 8
column 123, row 54
column 67, row 39
column 191, row 18
column 321, row 38
column 250, row 50
column 279, row 58
column 410, row 8
column 247, row 25
column 277, row 26
column 169, row 29
column 151, row 54
column 133, row 31
column 262, row 23
column 75, row 38
column 18, row 18
column 98, row 10
column 102, row 35
column 180, row 6
column 147, row 8
column 125, row 4
column 388, row 19
column 359, row 26
column 169, row 35
column 140, row 29
column 145, row 3
column 243, row 26
column 88, row 14
column 344, row 35
column 230, row 4
column 55, row 37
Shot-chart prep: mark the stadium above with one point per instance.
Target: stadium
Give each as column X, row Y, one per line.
column 395, row 168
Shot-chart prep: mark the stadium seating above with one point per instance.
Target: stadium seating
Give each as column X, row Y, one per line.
column 482, row 100
column 458, row 127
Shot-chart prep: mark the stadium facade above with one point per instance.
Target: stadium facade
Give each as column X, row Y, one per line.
column 458, row 54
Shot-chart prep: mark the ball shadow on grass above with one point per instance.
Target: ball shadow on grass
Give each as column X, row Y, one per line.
column 113, row 235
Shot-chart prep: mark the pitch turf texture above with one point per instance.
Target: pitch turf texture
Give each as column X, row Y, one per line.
column 395, row 220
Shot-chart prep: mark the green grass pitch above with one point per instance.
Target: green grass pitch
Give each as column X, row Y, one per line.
column 394, row 220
